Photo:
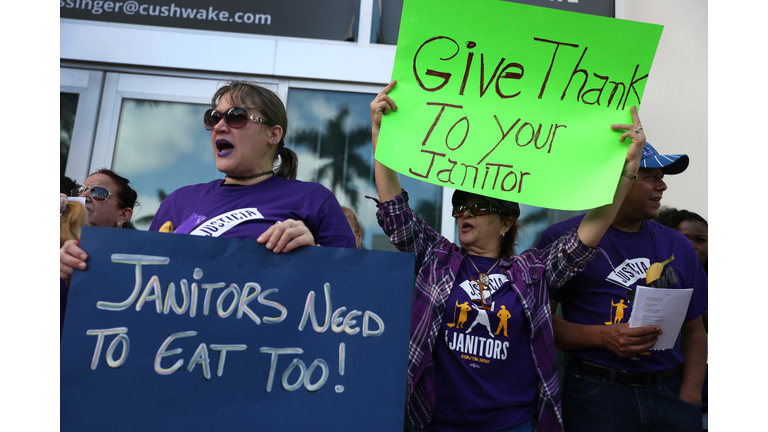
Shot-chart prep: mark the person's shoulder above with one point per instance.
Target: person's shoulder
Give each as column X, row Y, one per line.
column 557, row 230
column 663, row 230
column 672, row 240
column 181, row 196
column 565, row 225
column 302, row 184
column 670, row 235
column 307, row 188
column 194, row 188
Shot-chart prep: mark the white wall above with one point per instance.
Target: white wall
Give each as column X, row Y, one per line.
column 674, row 107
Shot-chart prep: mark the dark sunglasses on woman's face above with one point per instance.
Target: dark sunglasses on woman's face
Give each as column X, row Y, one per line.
column 235, row 117
column 477, row 209
column 98, row 193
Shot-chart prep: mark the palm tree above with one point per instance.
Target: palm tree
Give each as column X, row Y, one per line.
column 161, row 195
column 338, row 146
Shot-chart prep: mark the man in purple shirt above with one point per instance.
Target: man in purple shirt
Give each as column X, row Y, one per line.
column 613, row 379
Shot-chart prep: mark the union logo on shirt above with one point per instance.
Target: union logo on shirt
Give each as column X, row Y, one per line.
column 477, row 347
column 218, row 225
column 629, row 272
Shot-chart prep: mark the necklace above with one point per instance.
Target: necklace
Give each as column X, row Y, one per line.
column 483, row 276
column 485, row 293
column 250, row 177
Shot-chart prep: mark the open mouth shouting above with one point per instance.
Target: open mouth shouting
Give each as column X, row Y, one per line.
column 466, row 226
column 223, row 147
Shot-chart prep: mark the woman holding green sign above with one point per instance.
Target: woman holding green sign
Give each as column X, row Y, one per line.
column 482, row 352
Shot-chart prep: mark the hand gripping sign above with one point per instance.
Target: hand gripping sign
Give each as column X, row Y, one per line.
column 175, row 332
column 515, row 101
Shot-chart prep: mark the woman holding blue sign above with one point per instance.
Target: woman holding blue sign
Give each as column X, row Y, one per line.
column 108, row 201
column 259, row 198
column 482, row 351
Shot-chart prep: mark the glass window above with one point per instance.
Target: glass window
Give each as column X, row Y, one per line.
column 535, row 221
column 330, row 131
column 67, row 109
column 386, row 21
column 160, row 147
column 80, row 95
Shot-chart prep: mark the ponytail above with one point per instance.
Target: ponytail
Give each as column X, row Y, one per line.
column 289, row 163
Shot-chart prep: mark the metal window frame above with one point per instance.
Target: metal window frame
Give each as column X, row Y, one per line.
column 87, row 84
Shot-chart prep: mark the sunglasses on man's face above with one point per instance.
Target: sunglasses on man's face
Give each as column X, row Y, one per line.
column 477, row 209
column 97, row 193
column 235, row 117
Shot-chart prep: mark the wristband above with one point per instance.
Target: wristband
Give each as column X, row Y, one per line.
column 628, row 175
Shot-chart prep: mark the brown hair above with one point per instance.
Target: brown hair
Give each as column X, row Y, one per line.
column 124, row 193
column 72, row 221
column 672, row 217
column 273, row 109
column 510, row 237
column 352, row 218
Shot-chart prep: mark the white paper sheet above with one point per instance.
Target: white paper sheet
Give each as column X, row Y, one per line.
column 661, row 307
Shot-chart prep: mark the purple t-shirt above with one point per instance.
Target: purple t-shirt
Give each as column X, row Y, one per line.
column 248, row 211
column 599, row 294
column 474, row 352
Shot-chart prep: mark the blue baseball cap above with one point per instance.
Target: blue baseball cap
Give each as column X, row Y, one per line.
column 670, row 164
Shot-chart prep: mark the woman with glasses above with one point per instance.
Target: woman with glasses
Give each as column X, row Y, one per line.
column 109, row 202
column 109, row 199
column 259, row 198
column 482, row 352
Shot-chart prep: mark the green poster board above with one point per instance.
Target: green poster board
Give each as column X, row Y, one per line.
column 515, row 101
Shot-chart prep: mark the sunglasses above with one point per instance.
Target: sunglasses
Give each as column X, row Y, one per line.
column 477, row 209
column 98, row 193
column 235, row 117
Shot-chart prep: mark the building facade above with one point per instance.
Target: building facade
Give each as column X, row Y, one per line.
column 136, row 77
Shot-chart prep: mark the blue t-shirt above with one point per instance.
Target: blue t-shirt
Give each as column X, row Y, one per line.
column 210, row 209
column 600, row 294
column 485, row 377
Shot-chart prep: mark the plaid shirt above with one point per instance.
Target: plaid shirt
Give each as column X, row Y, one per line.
column 531, row 275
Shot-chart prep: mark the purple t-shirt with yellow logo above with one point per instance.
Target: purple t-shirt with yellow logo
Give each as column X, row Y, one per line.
column 601, row 294
column 210, row 209
column 474, row 353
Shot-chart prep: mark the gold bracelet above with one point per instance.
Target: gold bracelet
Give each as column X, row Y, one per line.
column 629, row 176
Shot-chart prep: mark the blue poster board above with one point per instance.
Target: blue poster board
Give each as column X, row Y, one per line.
column 176, row 332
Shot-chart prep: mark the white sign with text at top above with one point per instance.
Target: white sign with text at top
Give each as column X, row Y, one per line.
column 661, row 307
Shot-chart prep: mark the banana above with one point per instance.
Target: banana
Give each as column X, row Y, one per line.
column 167, row 227
column 656, row 270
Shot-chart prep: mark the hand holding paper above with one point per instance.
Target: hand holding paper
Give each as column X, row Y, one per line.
column 661, row 307
column 624, row 341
